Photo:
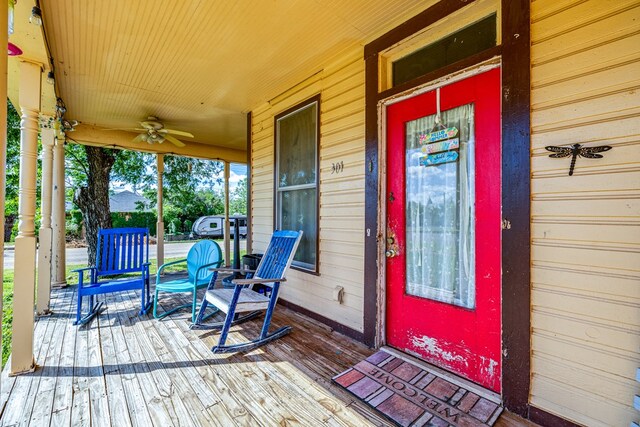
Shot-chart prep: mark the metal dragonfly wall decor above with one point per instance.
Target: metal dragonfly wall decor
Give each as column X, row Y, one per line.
column 577, row 150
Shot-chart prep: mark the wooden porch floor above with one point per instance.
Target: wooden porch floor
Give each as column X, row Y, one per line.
column 125, row 370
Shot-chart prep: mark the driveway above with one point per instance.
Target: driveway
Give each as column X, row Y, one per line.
column 78, row 256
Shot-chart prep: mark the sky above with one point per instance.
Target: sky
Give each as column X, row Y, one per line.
column 238, row 172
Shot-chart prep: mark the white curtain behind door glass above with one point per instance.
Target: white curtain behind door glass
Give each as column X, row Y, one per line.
column 440, row 215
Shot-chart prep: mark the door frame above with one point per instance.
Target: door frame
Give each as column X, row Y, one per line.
column 514, row 54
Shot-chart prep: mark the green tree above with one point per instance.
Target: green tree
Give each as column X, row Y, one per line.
column 12, row 170
column 89, row 173
column 188, row 191
column 187, row 185
column 238, row 198
column 13, row 173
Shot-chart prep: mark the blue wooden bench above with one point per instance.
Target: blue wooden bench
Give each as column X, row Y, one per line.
column 120, row 251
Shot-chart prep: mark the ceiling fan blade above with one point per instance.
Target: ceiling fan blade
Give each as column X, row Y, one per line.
column 138, row 138
column 129, row 129
column 177, row 132
column 155, row 125
column 174, row 141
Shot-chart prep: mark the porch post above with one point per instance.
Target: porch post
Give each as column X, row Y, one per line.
column 25, row 247
column 160, row 223
column 3, row 141
column 47, row 136
column 227, row 228
column 58, row 216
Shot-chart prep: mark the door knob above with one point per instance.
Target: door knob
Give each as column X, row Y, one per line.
column 390, row 253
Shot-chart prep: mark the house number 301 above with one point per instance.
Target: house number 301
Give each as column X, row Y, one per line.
column 337, row 167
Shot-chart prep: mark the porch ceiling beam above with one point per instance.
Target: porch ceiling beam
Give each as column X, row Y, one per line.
column 100, row 137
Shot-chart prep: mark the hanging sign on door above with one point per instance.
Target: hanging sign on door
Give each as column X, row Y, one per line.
column 440, row 158
column 438, row 135
column 436, row 147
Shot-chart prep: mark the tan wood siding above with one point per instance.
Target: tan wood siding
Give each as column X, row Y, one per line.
column 585, row 228
column 341, row 256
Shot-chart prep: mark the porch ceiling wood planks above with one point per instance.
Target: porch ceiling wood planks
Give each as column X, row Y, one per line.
column 122, row 369
column 199, row 66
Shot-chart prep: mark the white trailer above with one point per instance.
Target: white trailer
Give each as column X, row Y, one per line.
column 213, row 226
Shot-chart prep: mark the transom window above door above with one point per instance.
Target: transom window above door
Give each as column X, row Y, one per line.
column 470, row 31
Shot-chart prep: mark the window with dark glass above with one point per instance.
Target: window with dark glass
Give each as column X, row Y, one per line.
column 472, row 39
column 296, row 186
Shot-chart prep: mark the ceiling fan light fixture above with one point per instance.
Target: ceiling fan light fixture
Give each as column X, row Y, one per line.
column 152, row 131
column 36, row 16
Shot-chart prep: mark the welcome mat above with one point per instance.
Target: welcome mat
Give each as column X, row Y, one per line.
column 413, row 395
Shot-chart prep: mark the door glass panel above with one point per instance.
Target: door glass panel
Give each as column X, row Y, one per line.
column 440, row 213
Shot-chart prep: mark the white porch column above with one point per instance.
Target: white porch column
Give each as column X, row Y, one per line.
column 227, row 228
column 47, row 136
column 58, row 253
column 3, row 140
column 25, row 249
column 160, row 224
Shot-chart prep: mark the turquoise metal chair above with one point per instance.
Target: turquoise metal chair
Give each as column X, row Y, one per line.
column 242, row 298
column 202, row 256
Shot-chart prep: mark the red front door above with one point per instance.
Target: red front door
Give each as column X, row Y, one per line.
column 443, row 227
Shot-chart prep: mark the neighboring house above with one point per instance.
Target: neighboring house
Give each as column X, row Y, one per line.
column 127, row 201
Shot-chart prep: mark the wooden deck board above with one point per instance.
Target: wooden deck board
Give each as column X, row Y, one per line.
column 198, row 397
column 81, row 409
column 128, row 370
column 43, row 404
column 24, row 392
column 146, row 396
column 118, row 407
column 123, row 368
column 63, row 395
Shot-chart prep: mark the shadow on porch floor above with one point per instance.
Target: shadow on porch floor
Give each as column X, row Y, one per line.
column 124, row 370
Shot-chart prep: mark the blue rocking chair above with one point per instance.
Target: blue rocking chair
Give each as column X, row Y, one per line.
column 201, row 258
column 119, row 251
column 242, row 298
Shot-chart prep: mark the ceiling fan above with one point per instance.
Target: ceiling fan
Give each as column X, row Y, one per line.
column 153, row 131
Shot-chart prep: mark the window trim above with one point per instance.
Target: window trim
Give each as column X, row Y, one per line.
column 298, row 107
